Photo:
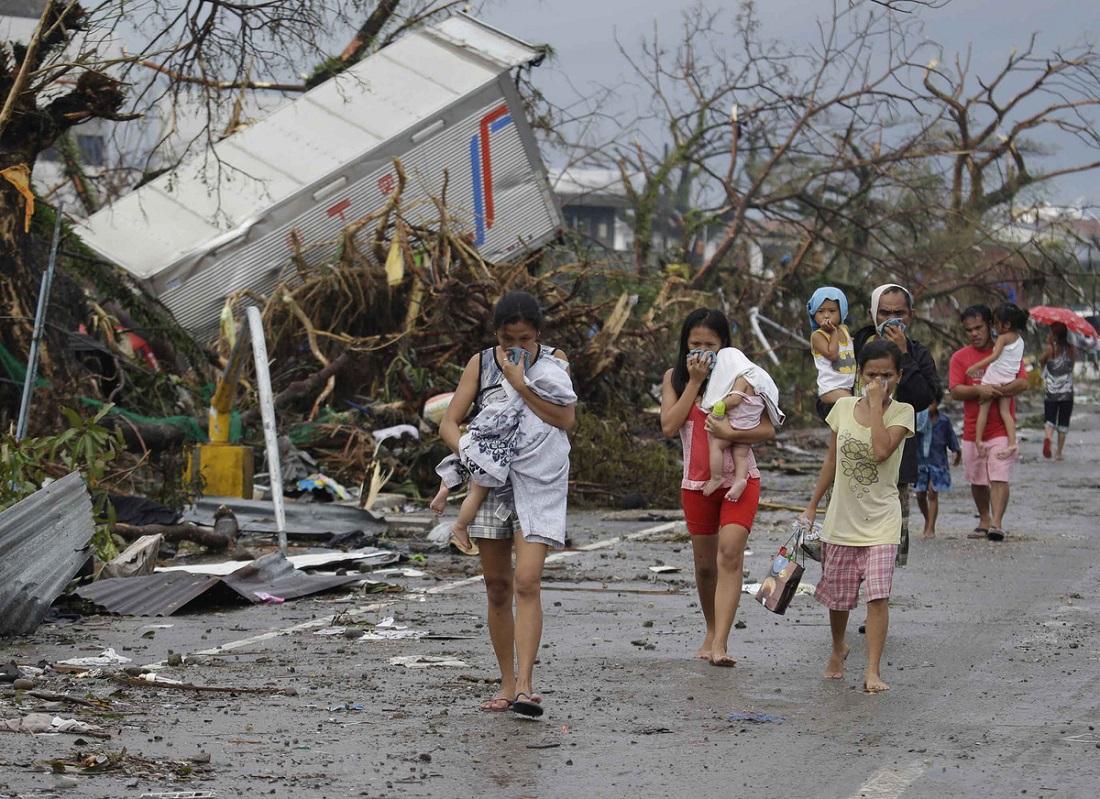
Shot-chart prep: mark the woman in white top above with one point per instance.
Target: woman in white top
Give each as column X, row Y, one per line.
column 1001, row 367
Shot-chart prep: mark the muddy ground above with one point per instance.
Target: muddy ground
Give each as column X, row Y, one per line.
column 993, row 654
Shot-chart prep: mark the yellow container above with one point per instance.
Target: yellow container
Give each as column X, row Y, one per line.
column 225, row 469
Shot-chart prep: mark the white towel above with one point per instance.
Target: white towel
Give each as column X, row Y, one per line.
column 732, row 364
column 508, row 442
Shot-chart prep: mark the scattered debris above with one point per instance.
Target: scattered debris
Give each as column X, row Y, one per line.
column 324, row 483
column 754, row 718
column 165, row 592
column 664, row 569
column 427, row 661
column 153, row 680
column 389, row 630
column 44, row 542
column 38, row 723
column 109, row 657
column 312, row 521
column 139, row 558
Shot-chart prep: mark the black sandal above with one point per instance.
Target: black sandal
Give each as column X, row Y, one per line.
column 995, row 534
column 527, row 705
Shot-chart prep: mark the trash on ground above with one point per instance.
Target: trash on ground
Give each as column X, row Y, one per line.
column 38, row 723
column 269, row 599
column 427, row 661
column 139, row 558
column 398, row 572
column 750, row 588
column 754, row 717
column 664, row 569
column 347, row 707
column 322, row 482
column 153, row 680
column 390, row 630
column 45, row 539
column 109, row 657
column 397, row 431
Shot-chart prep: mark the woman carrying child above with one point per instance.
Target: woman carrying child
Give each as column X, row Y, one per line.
column 1001, row 368
column 862, row 526
column 719, row 526
column 526, row 516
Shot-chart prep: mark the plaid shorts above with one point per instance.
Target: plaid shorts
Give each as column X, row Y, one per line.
column 496, row 518
column 844, row 569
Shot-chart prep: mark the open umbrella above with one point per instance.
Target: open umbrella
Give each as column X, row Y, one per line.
column 1048, row 315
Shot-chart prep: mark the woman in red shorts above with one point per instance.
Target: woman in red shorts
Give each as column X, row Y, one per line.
column 719, row 528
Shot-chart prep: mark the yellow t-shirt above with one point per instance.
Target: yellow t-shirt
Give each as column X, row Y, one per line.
column 864, row 510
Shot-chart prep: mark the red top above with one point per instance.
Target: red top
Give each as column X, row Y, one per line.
column 961, row 361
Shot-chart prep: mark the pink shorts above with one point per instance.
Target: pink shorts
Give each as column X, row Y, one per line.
column 981, row 469
column 844, row 569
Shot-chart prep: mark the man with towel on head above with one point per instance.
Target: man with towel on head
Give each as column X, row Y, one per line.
column 891, row 318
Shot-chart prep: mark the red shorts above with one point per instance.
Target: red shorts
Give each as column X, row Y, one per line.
column 705, row 514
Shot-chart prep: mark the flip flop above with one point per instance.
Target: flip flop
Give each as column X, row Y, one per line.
column 465, row 549
column 979, row 532
column 498, row 704
column 530, row 707
column 995, row 534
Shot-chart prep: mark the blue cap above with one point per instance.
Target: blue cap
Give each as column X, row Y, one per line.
column 822, row 294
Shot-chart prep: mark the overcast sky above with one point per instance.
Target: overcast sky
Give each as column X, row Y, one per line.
column 582, row 34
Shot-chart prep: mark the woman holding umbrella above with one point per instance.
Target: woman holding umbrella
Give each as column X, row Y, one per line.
column 1057, row 361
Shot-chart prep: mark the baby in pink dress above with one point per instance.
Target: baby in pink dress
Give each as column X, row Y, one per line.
column 739, row 390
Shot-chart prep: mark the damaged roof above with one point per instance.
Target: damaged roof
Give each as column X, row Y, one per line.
column 44, row 542
column 167, row 592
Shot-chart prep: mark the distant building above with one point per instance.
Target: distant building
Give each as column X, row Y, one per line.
column 594, row 205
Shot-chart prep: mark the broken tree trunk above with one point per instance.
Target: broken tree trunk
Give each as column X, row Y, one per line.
column 204, row 536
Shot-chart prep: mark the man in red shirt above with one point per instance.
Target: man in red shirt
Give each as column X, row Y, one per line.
column 988, row 472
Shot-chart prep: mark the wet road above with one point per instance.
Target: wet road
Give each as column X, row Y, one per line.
column 993, row 655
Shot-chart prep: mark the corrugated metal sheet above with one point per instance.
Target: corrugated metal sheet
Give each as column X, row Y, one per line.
column 165, row 593
column 273, row 574
column 158, row 594
column 43, row 544
column 255, row 515
column 324, row 160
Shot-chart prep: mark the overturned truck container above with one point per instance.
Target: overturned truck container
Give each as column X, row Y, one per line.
column 441, row 99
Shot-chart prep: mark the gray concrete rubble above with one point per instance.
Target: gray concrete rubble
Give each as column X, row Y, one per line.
column 993, row 656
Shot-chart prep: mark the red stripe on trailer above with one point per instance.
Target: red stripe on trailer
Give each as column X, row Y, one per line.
column 486, row 168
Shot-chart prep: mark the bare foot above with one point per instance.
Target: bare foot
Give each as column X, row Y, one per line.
column 703, row 653
column 737, row 489
column 722, row 659
column 1007, row 453
column 439, row 501
column 928, row 534
column 873, row 684
column 834, row 670
column 711, row 486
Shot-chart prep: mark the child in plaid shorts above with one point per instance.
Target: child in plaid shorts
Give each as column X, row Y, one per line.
column 862, row 526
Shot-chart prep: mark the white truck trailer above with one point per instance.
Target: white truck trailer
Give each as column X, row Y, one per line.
column 440, row 98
